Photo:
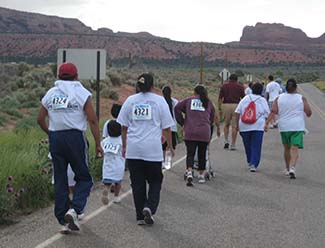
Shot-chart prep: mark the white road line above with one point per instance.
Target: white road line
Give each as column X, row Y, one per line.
column 101, row 209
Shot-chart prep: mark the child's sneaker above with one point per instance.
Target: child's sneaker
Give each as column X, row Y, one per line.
column 81, row 216
column 148, row 219
column 292, row 173
column 189, row 178
column 71, row 218
column 201, row 178
column 233, row 147
column 105, row 197
column 116, row 199
column 253, row 168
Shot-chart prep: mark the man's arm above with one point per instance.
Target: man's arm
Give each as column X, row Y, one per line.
column 41, row 119
column 94, row 127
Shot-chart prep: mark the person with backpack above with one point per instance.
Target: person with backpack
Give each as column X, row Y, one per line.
column 250, row 116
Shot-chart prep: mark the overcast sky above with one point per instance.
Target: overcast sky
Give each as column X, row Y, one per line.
column 184, row 20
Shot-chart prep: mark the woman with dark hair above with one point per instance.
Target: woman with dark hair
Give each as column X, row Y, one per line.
column 291, row 108
column 144, row 118
column 196, row 115
column 252, row 133
column 172, row 102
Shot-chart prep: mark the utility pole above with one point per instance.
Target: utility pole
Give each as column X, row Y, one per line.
column 201, row 64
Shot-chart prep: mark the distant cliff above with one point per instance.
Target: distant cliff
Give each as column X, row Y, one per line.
column 28, row 36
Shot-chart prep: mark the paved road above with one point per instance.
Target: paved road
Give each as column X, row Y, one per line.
column 235, row 209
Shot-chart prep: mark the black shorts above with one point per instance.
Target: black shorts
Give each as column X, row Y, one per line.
column 174, row 141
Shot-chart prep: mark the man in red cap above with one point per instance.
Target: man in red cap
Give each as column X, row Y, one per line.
column 68, row 106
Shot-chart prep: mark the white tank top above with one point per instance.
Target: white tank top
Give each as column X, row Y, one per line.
column 291, row 112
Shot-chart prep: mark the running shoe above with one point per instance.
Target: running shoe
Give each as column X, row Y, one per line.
column 141, row 222
column 201, row 178
column 226, row 146
column 189, row 178
column 105, row 197
column 116, row 199
column 65, row 229
column 148, row 219
column 292, row 173
column 81, row 216
column 286, row 173
column 233, row 147
column 253, row 168
column 71, row 218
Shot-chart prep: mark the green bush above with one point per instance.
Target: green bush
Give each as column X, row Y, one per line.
column 2, row 120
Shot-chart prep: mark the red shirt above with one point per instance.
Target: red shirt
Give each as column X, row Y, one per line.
column 232, row 92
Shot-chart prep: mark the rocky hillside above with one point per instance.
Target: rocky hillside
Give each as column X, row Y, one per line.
column 30, row 36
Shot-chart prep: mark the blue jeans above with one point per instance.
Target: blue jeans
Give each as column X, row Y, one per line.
column 253, row 146
column 141, row 173
column 70, row 146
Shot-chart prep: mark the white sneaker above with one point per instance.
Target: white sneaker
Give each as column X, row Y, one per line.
column 65, row 229
column 71, row 218
column 148, row 219
column 252, row 169
column 116, row 199
column 201, row 178
column 233, row 147
column 286, row 173
column 292, row 173
column 141, row 222
column 81, row 216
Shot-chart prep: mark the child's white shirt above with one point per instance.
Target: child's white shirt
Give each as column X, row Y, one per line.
column 113, row 162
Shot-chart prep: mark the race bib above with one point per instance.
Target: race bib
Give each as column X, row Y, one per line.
column 59, row 102
column 141, row 112
column 196, row 104
column 109, row 147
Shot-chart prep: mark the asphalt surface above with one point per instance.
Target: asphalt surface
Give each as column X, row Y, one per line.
column 236, row 208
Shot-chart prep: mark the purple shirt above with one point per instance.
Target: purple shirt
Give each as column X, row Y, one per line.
column 197, row 122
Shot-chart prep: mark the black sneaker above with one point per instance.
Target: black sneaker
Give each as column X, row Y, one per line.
column 226, row 146
column 189, row 178
column 148, row 219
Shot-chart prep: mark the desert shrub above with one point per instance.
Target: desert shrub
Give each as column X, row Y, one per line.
column 9, row 102
column 2, row 120
column 13, row 112
column 26, row 124
column 115, row 79
column 113, row 95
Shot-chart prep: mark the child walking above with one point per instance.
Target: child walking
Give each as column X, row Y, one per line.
column 113, row 163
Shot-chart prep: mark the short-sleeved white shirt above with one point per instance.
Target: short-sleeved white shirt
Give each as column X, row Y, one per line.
column 262, row 112
column 65, row 105
column 113, row 162
column 274, row 89
column 145, row 115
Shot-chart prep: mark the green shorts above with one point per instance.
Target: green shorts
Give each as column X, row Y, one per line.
column 295, row 138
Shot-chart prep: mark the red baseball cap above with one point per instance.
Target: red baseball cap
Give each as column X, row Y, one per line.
column 68, row 70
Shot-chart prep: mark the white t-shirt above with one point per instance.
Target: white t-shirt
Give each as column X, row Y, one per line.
column 274, row 89
column 65, row 105
column 262, row 112
column 145, row 115
column 113, row 163
column 291, row 112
